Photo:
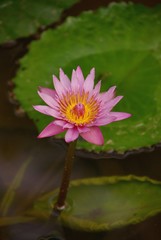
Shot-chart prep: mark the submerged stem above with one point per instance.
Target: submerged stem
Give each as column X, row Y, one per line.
column 60, row 203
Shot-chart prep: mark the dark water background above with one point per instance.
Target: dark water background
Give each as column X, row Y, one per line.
column 18, row 142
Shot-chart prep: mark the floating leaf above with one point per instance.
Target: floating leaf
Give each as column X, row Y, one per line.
column 106, row 203
column 22, row 18
column 123, row 44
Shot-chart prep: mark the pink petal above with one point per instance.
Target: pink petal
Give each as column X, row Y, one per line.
column 119, row 115
column 58, row 86
column 60, row 123
column 48, row 99
column 97, row 88
column 80, row 77
column 96, row 91
column 47, row 110
column 80, row 74
column 109, row 95
column 74, row 82
column 89, row 82
column 63, row 124
column 65, row 80
column 83, row 129
column 47, row 91
column 93, row 136
column 68, row 125
column 50, row 130
column 109, row 105
column 71, row 135
column 104, row 121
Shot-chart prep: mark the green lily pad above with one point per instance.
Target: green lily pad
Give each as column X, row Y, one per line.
column 22, row 18
column 123, row 44
column 106, row 203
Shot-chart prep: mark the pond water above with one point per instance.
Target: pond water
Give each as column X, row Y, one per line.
column 18, row 144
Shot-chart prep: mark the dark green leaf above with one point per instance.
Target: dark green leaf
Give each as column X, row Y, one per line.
column 22, row 18
column 123, row 44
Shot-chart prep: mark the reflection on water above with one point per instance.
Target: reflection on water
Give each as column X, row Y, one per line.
column 18, row 143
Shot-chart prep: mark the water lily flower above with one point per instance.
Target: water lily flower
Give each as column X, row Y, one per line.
column 78, row 107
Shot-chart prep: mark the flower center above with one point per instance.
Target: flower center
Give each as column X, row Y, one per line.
column 78, row 109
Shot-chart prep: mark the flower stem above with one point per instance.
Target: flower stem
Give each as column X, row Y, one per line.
column 60, row 203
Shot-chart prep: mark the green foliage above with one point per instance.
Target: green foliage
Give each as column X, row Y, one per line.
column 22, row 18
column 106, row 203
column 123, row 44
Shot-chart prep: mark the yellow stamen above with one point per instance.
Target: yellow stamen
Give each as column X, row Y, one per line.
column 78, row 109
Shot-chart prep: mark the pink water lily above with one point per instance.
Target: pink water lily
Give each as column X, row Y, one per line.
column 78, row 107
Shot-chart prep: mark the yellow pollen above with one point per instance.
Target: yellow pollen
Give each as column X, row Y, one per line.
column 78, row 109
